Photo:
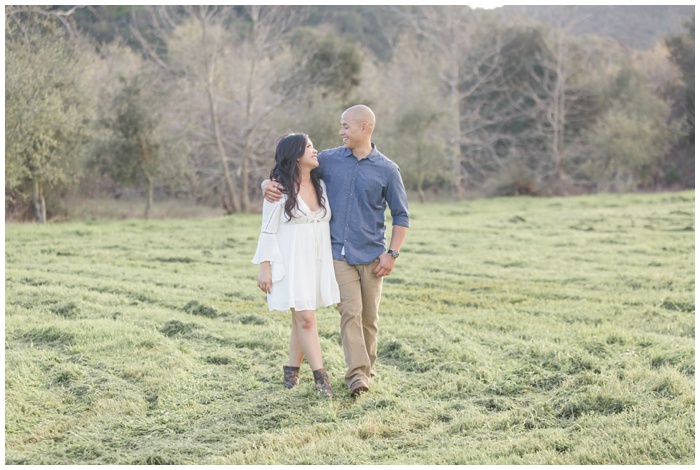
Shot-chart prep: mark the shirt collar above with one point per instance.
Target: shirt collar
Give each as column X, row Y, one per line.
column 371, row 157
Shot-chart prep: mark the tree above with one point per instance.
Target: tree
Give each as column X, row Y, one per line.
column 414, row 135
column 268, row 27
column 419, row 152
column 192, row 47
column 369, row 28
column 681, row 161
column 630, row 139
column 210, row 52
column 134, row 150
column 498, row 112
column 555, row 102
column 324, row 73
column 469, row 66
column 47, row 110
column 224, row 60
column 322, row 63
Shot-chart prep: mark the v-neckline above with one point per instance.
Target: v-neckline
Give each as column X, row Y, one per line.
column 306, row 205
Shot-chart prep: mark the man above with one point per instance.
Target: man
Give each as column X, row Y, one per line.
column 360, row 182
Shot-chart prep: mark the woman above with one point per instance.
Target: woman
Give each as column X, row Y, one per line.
column 294, row 253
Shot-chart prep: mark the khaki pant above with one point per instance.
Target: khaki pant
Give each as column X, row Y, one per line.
column 360, row 293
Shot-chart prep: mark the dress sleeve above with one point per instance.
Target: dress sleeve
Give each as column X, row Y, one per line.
column 268, row 246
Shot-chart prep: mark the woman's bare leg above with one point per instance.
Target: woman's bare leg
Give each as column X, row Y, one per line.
column 296, row 354
column 307, row 335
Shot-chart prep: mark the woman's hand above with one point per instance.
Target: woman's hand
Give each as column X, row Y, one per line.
column 265, row 277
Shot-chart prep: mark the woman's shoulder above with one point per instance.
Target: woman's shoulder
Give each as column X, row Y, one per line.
column 275, row 204
column 323, row 189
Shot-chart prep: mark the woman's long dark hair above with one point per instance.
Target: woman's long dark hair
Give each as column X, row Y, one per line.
column 290, row 148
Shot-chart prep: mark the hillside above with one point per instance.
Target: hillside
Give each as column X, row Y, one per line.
column 637, row 26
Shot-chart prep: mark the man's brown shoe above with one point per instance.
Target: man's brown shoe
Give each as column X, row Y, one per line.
column 358, row 388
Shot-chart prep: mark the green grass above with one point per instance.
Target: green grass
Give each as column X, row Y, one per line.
column 512, row 331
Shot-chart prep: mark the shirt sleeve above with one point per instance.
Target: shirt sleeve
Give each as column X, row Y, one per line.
column 321, row 157
column 268, row 245
column 397, row 200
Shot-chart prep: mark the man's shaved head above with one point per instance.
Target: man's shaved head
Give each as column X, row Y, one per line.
column 360, row 114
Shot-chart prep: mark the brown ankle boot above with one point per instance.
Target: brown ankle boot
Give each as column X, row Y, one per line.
column 323, row 383
column 291, row 376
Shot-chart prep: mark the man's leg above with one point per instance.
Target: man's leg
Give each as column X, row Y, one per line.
column 351, row 330
column 371, row 286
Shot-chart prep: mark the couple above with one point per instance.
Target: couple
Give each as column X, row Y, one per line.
column 307, row 262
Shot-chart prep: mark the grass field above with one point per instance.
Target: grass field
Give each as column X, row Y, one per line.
column 512, row 331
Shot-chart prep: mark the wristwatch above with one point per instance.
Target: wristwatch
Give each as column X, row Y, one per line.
column 394, row 254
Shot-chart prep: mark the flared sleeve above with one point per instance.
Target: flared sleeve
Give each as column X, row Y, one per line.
column 268, row 245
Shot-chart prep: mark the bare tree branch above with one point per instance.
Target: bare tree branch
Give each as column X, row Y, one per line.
column 153, row 55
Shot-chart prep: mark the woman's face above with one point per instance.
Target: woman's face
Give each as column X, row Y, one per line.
column 309, row 160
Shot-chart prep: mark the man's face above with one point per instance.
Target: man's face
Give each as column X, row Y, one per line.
column 350, row 131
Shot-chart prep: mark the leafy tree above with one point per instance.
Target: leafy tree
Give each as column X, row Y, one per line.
column 325, row 64
column 682, row 50
column 681, row 161
column 103, row 23
column 369, row 28
column 420, row 150
column 417, row 121
column 47, row 110
column 324, row 73
column 134, row 151
column 629, row 141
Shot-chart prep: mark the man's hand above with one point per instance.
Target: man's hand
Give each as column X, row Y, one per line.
column 272, row 190
column 386, row 264
column 265, row 277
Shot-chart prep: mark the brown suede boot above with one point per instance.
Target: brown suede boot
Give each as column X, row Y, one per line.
column 291, row 376
column 323, row 383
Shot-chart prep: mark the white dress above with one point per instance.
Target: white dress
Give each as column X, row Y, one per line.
column 299, row 251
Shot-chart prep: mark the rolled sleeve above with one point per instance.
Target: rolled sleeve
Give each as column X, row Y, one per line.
column 398, row 201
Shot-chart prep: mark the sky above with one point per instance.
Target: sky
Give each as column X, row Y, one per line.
column 486, row 5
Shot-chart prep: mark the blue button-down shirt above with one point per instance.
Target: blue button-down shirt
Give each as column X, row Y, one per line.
column 358, row 193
